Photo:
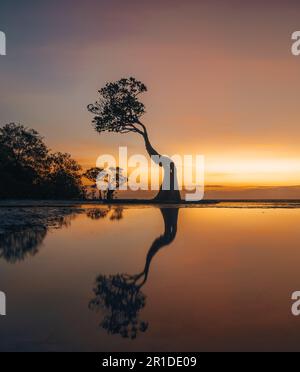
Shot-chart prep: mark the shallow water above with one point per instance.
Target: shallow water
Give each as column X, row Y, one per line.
column 150, row 279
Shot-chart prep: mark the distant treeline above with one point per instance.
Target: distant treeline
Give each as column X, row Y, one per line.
column 28, row 169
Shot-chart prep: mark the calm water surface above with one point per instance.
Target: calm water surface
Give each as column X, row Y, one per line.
column 149, row 279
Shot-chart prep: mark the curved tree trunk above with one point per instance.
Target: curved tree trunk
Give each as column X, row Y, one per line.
column 170, row 216
column 171, row 194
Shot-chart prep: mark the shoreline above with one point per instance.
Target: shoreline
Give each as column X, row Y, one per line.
column 275, row 203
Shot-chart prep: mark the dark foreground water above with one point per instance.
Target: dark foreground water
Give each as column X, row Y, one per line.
column 150, row 279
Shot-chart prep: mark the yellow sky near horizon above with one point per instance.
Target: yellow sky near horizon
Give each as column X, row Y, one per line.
column 226, row 170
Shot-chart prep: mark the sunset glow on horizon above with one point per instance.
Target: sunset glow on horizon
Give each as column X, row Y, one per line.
column 222, row 81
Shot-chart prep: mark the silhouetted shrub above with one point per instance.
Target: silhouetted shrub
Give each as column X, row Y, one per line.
column 29, row 170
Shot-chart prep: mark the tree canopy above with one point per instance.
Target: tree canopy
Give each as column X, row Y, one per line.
column 110, row 181
column 92, row 173
column 29, row 170
column 118, row 108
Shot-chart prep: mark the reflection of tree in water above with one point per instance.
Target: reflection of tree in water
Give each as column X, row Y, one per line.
column 16, row 246
column 122, row 299
column 24, row 231
column 120, row 296
column 115, row 213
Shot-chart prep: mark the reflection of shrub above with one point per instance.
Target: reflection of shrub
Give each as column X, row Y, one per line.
column 117, row 214
column 98, row 213
column 16, row 246
column 122, row 300
column 23, row 230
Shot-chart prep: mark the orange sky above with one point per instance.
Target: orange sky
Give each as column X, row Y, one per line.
column 221, row 78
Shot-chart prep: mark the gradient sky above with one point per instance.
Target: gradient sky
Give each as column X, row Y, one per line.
column 221, row 77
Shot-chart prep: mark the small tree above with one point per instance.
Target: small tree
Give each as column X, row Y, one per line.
column 119, row 110
column 92, row 174
column 64, row 179
column 111, row 180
